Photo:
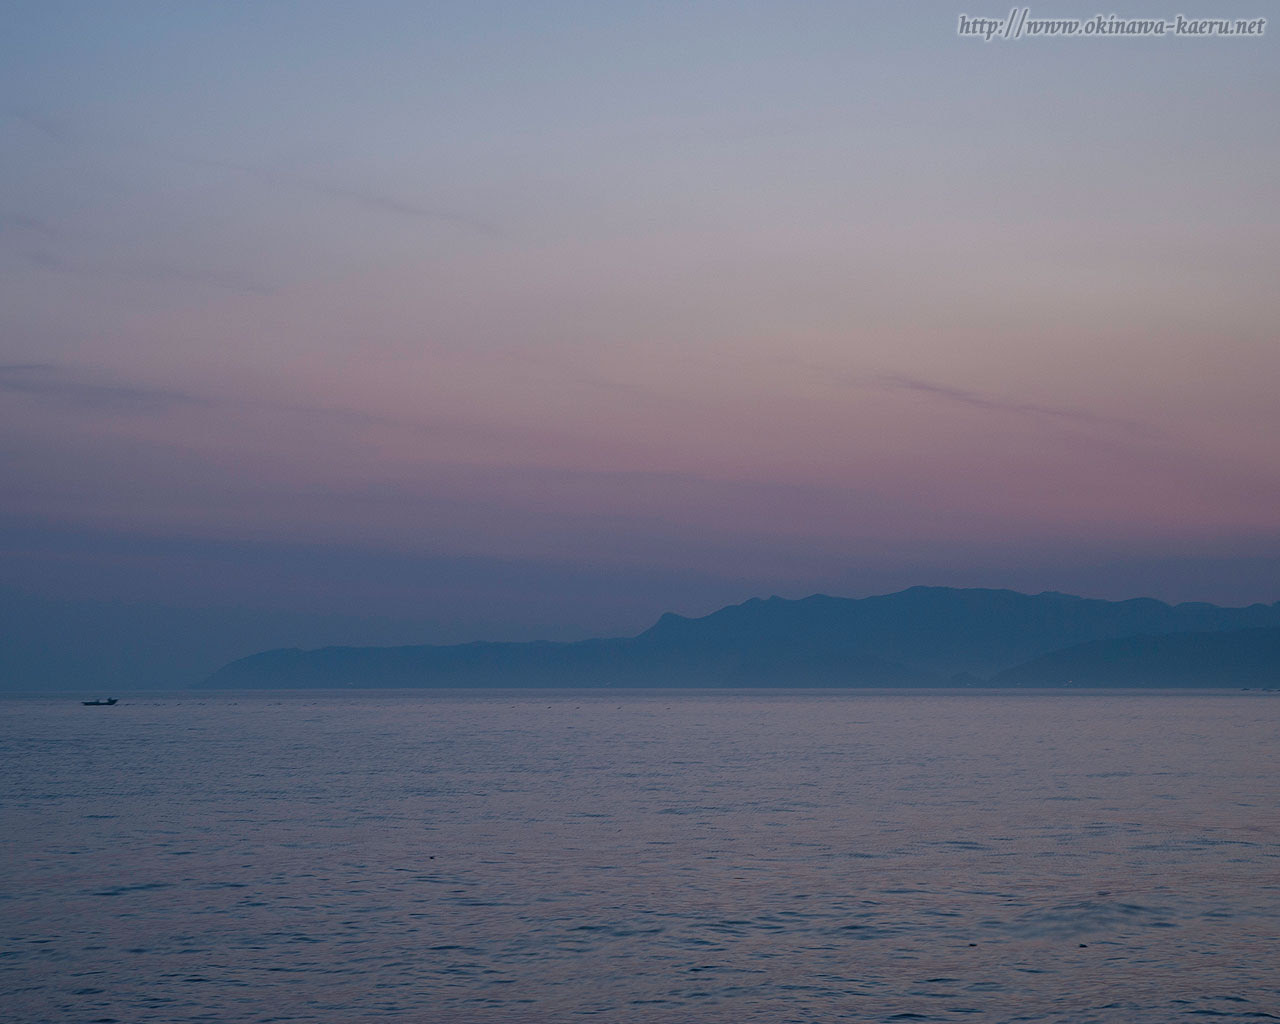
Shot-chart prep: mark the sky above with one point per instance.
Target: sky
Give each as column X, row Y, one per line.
column 432, row 322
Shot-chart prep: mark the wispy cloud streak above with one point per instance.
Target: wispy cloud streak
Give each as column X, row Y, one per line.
column 55, row 131
column 361, row 197
column 41, row 123
column 978, row 400
column 43, row 259
column 57, row 383
column 21, row 224
column 94, row 392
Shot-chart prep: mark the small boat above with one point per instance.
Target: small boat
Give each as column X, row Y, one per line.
column 100, row 703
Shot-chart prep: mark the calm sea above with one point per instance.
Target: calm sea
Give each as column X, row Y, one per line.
column 641, row 856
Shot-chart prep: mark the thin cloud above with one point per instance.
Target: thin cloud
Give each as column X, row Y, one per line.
column 46, row 260
column 60, row 384
column 978, row 400
column 21, row 224
column 52, row 128
column 93, row 392
column 57, row 131
column 362, row 197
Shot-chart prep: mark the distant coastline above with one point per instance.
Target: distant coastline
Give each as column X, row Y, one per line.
column 921, row 637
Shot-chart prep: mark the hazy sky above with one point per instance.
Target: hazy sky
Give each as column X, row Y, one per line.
column 444, row 320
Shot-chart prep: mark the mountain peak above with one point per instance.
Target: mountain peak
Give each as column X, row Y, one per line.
column 924, row 635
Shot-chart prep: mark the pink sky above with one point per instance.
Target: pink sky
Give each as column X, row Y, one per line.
column 727, row 301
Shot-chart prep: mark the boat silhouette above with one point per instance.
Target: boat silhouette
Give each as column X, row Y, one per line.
column 100, row 703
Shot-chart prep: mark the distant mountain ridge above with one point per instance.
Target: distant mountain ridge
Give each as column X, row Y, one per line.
column 921, row 636
column 1240, row 657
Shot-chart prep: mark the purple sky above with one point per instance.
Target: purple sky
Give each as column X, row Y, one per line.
column 449, row 320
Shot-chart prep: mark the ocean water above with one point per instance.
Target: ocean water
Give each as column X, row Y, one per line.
column 641, row 856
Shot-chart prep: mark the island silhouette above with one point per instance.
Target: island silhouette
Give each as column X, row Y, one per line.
column 923, row 636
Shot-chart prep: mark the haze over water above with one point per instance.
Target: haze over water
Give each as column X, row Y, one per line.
column 641, row 856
